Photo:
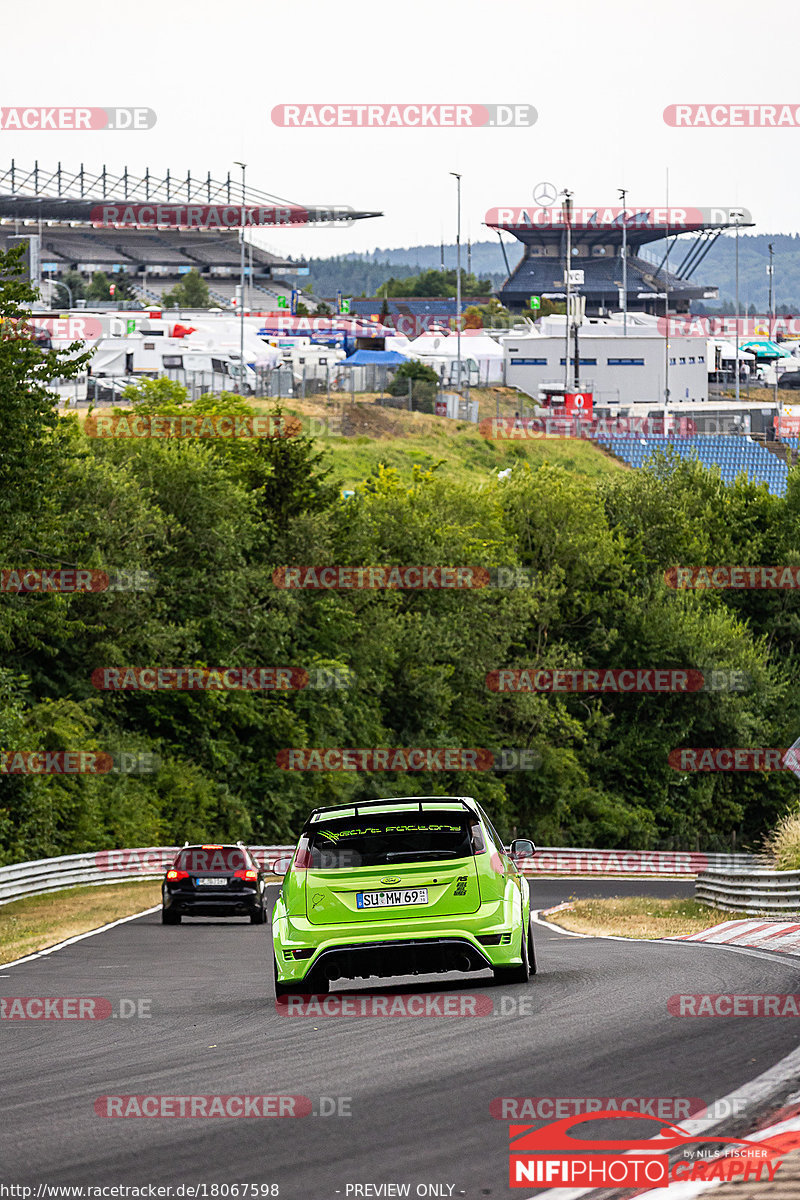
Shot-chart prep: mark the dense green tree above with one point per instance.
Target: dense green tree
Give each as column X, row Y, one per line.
column 190, row 292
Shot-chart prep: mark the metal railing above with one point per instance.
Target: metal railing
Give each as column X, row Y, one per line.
column 149, row 862
column 103, row 867
column 754, row 892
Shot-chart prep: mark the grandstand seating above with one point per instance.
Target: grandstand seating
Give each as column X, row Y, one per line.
column 731, row 454
column 159, row 252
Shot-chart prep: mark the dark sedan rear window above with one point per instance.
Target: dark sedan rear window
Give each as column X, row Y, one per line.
column 211, row 859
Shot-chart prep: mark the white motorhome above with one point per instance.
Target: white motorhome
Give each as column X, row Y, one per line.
column 315, row 363
column 212, row 370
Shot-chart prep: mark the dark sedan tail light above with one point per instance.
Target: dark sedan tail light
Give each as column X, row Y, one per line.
column 250, row 874
column 177, row 874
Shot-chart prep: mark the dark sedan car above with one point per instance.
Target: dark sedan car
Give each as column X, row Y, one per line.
column 214, row 881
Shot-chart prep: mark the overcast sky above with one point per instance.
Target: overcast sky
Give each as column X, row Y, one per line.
column 599, row 75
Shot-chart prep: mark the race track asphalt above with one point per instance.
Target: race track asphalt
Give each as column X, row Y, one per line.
column 593, row 1023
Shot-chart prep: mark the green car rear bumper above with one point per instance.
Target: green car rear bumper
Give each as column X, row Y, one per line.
column 490, row 937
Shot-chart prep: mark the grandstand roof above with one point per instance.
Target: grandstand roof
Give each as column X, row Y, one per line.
column 64, row 195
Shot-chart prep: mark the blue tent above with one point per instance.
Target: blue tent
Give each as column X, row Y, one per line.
column 374, row 358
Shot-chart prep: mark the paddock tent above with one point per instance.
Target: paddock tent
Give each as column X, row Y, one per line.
column 374, row 358
column 483, row 350
column 369, row 370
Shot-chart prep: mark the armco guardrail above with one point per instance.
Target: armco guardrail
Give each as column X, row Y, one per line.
column 754, row 892
column 103, row 866
column 150, row 862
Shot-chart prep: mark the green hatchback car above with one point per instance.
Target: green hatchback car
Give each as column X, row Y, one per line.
column 403, row 886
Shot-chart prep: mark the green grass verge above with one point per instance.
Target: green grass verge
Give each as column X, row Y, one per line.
column 40, row 921
column 640, row 917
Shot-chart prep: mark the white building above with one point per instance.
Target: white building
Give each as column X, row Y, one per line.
column 617, row 369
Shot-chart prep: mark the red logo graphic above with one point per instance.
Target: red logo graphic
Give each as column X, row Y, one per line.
column 549, row 1156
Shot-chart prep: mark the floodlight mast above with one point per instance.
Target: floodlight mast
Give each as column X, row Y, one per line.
column 622, row 195
column 241, row 284
column 457, row 177
column 568, row 217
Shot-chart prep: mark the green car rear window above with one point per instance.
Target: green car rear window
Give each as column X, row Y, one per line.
column 389, row 839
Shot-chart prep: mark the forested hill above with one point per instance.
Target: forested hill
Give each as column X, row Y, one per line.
column 355, row 275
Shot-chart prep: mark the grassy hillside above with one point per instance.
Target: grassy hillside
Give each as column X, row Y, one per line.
column 364, row 434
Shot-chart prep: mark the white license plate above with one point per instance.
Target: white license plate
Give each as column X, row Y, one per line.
column 211, row 882
column 392, row 899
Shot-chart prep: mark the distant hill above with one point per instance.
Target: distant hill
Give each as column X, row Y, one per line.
column 357, row 274
column 719, row 267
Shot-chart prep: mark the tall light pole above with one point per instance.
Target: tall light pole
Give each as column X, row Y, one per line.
column 241, row 285
column 736, row 216
column 568, row 213
column 622, row 194
column 771, row 270
column 457, row 177
column 67, row 288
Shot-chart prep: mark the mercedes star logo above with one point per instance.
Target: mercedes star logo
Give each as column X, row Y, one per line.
column 545, row 194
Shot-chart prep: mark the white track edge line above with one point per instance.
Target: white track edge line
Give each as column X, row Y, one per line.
column 17, row 962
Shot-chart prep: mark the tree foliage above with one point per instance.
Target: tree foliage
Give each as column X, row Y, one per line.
column 200, row 528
